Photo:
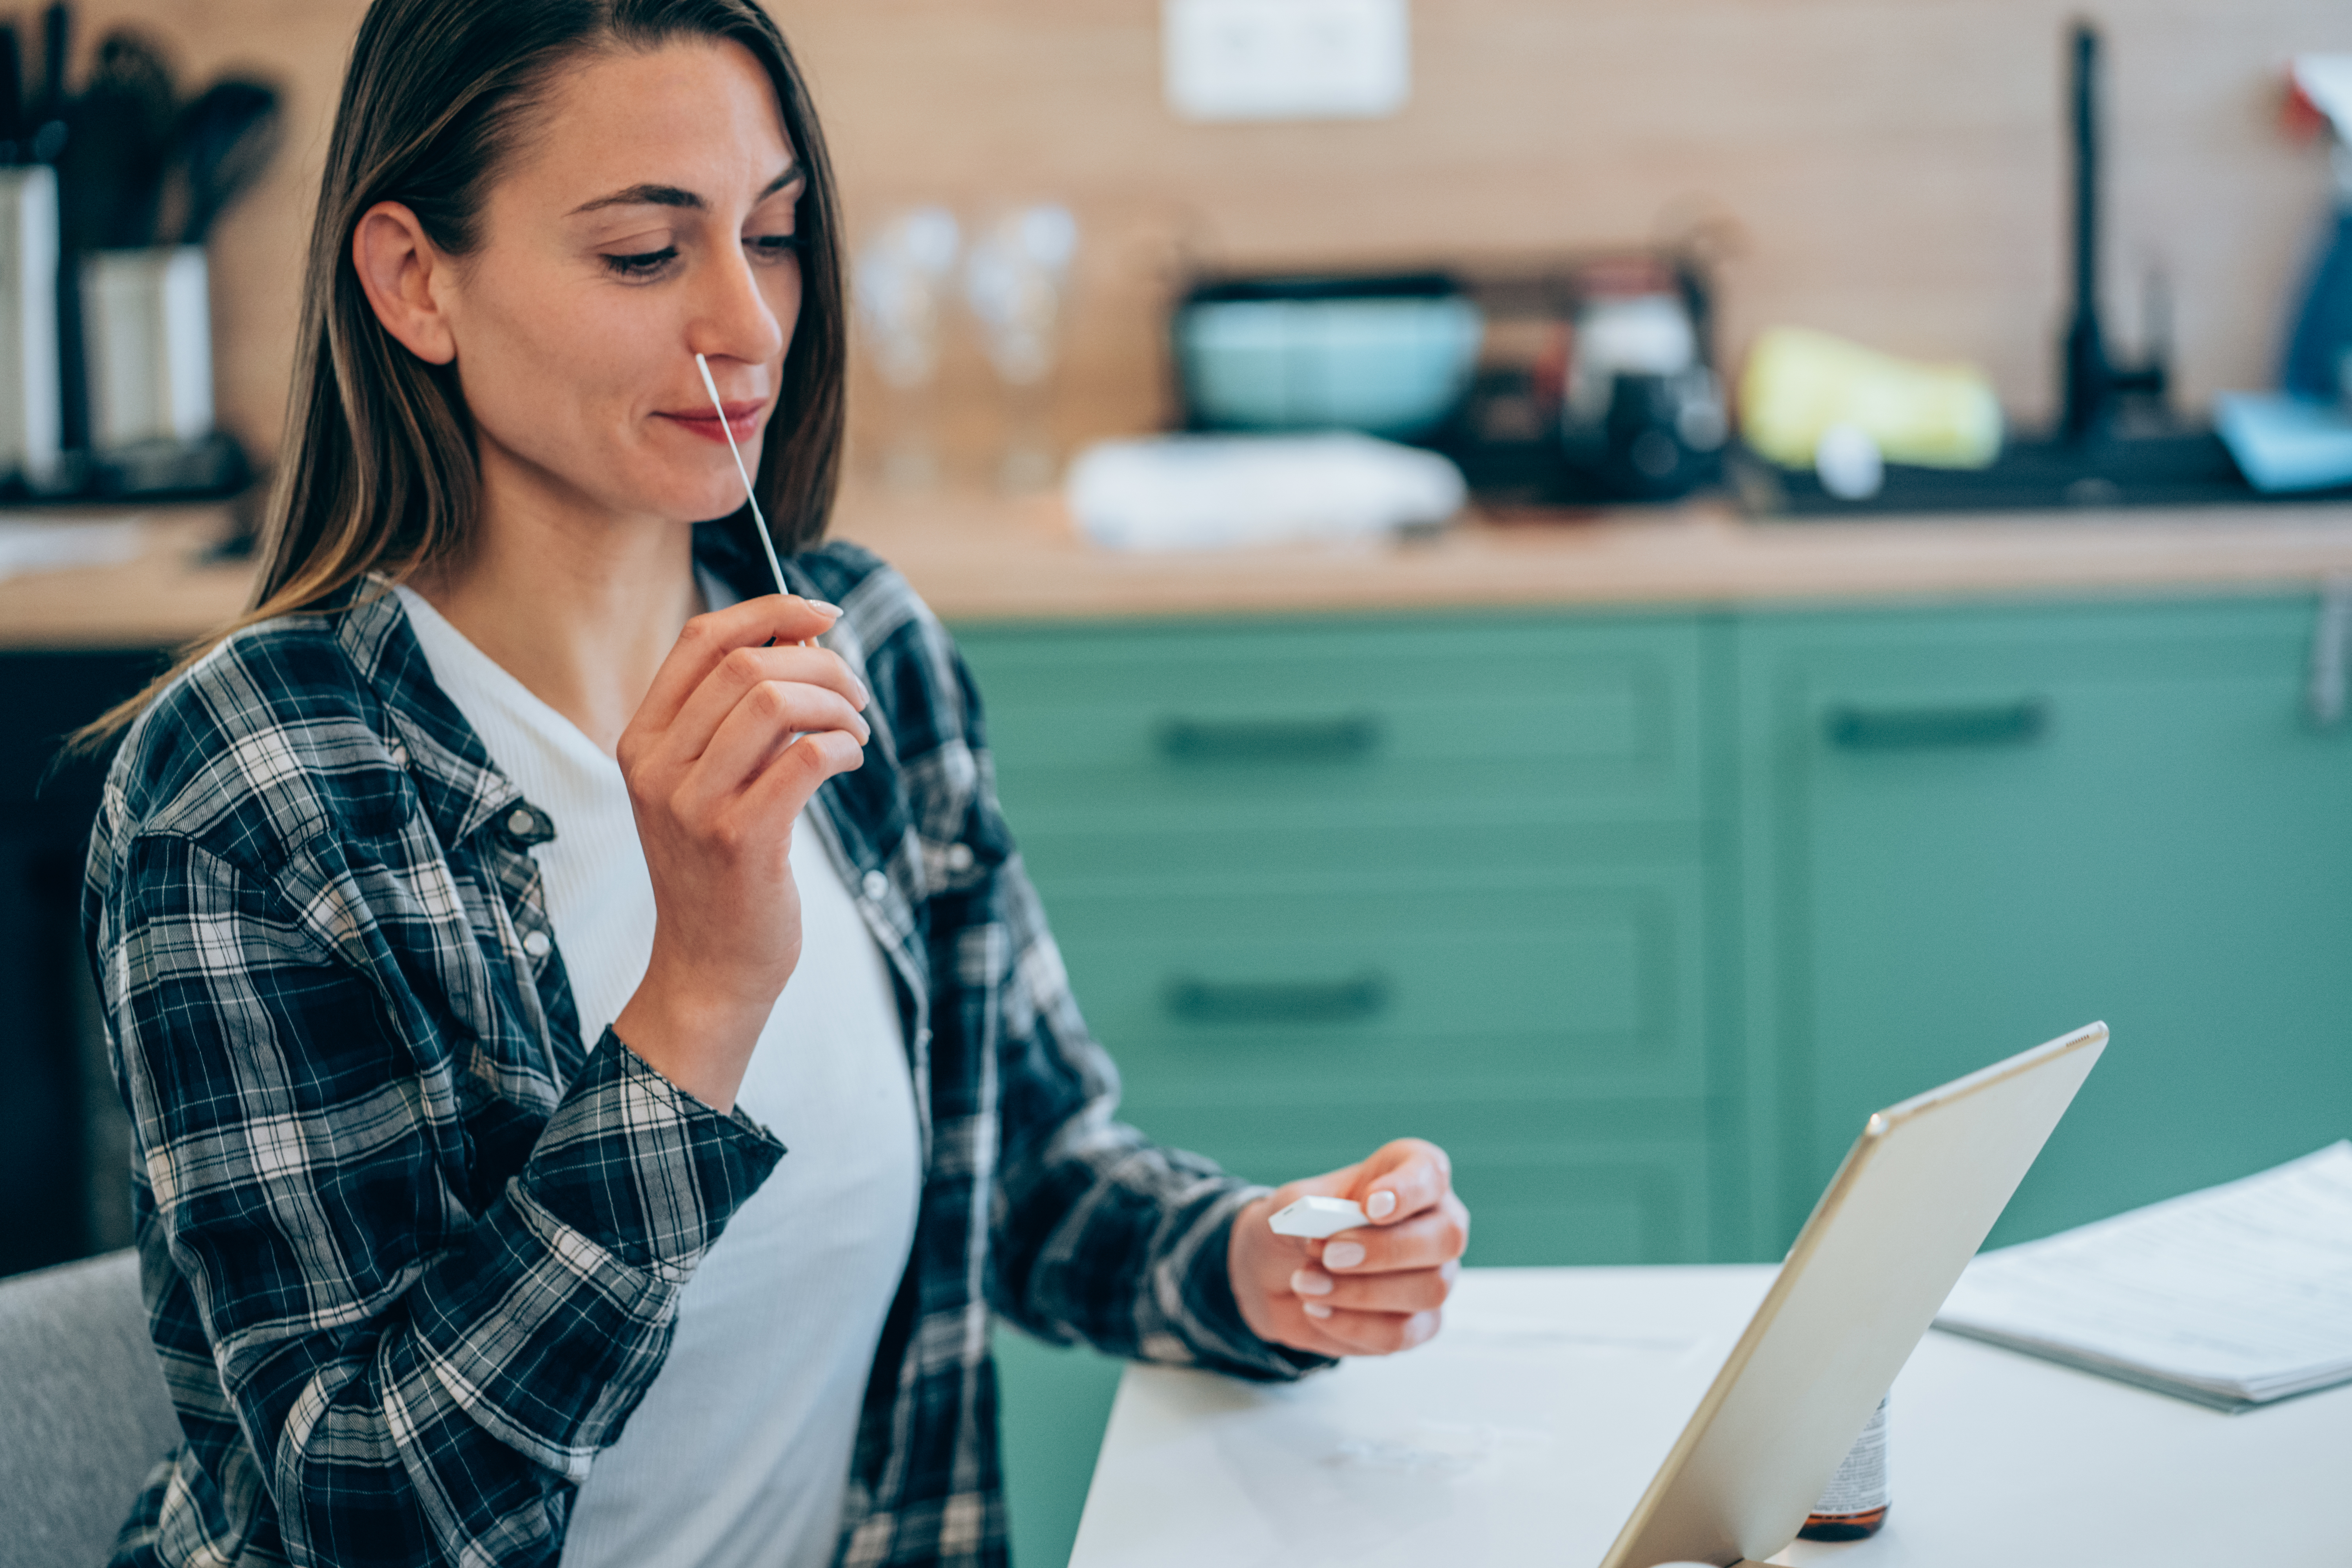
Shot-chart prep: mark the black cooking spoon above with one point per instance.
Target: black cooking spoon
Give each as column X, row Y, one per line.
column 222, row 144
column 118, row 139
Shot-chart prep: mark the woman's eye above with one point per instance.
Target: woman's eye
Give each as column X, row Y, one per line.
column 643, row 265
column 773, row 247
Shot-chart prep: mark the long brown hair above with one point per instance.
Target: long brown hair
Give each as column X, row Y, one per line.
column 379, row 472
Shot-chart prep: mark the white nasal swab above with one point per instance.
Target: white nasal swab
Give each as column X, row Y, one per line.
column 767, row 545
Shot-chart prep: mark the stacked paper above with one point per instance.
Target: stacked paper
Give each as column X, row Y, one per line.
column 2232, row 1297
column 1215, row 492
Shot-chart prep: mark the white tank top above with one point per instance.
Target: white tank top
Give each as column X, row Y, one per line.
column 740, row 1453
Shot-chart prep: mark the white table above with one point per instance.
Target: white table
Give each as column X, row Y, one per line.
column 1526, row 1432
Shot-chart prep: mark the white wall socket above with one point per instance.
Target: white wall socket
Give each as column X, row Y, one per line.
column 1287, row 59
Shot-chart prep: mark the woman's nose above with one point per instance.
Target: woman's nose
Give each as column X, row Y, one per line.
column 734, row 317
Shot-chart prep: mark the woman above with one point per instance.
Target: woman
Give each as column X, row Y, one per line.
column 470, row 914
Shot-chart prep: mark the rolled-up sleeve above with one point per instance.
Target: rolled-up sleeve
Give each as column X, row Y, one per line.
column 422, row 1371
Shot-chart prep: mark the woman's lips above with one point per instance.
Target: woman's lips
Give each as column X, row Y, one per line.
column 742, row 419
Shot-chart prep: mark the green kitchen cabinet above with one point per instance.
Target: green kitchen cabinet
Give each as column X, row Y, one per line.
column 1323, row 884
column 1968, row 830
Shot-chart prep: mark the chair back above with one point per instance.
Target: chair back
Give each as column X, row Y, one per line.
column 84, row 1415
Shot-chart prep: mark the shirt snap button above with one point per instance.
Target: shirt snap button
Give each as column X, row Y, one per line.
column 875, row 885
column 520, row 822
column 537, row 944
column 959, row 856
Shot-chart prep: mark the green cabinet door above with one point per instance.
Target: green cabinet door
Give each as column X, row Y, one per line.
column 1965, row 831
column 1323, row 883
column 1052, row 1403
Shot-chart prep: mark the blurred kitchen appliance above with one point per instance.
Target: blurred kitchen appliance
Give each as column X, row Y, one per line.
column 1388, row 354
column 1642, row 418
column 31, row 431
column 1479, row 361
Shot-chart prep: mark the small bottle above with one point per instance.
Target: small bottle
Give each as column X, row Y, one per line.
column 1854, row 1506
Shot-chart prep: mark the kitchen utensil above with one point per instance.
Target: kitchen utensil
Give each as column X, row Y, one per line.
column 13, row 131
column 221, row 144
column 57, row 37
column 118, row 131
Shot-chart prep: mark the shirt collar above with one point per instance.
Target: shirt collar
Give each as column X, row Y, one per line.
column 462, row 788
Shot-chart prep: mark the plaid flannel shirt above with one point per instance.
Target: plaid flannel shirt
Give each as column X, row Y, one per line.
column 413, row 1249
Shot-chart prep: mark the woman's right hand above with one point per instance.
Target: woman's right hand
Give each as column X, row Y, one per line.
column 717, row 777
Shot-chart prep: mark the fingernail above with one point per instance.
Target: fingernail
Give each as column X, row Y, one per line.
column 1343, row 1255
column 865, row 692
column 1311, row 1282
column 822, row 609
column 1380, row 1204
column 1314, row 1308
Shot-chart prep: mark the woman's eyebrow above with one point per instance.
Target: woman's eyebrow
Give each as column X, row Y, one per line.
column 652, row 195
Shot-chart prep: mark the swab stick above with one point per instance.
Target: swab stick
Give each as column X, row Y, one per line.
column 767, row 545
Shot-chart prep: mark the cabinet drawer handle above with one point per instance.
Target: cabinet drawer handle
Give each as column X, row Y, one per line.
column 1196, row 1001
column 1916, row 729
column 1347, row 738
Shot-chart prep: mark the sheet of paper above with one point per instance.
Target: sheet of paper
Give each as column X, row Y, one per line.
column 2243, row 1289
column 1524, row 1433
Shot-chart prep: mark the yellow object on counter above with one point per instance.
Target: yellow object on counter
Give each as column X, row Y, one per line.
column 1799, row 383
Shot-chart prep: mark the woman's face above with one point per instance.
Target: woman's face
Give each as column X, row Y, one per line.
column 649, row 219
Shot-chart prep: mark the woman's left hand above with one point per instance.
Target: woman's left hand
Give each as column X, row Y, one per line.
column 1373, row 1291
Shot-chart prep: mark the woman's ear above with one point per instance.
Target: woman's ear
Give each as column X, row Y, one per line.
column 406, row 278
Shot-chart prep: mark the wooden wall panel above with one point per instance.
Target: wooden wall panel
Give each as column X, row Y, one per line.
column 1893, row 168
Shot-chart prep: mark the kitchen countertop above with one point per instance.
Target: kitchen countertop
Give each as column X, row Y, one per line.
column 982, row 558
